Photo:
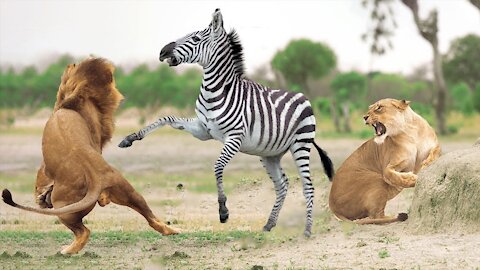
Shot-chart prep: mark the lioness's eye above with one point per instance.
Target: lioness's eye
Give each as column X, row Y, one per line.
column 378, row 109
column 195, row 38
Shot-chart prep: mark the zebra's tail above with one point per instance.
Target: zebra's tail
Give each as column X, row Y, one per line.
column 326, row 161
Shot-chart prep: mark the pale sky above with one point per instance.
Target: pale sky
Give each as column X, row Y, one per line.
column 126, row 32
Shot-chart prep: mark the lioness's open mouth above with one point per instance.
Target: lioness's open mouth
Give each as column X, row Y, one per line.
column 380, row 128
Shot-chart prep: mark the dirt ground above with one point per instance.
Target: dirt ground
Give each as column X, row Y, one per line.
column 122, row 239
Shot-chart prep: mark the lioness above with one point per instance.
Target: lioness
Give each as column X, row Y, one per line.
column 74, row 175
column 379, row 169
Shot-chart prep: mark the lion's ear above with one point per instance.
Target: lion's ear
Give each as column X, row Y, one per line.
column 401, row 104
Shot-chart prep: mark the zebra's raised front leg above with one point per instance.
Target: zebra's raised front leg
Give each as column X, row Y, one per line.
column 230, row 148
column 301, row 155
column 192, row 125
column 280, row 182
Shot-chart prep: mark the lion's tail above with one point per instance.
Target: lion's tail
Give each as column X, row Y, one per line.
column 326, row 161
column 94, row 190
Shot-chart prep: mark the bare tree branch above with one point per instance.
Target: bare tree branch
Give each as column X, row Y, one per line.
column 412, row 4
column 427, row 28
column 476, row 3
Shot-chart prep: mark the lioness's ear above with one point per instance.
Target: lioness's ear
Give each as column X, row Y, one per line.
column 401, row 104
column 217, row 23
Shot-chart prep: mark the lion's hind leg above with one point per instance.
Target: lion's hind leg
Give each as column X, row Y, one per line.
column 82, row 233
column 375, row 207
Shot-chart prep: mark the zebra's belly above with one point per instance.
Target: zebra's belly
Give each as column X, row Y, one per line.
column 252, row 146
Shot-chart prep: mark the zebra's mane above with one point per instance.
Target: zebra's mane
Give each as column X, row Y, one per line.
column 237, row 52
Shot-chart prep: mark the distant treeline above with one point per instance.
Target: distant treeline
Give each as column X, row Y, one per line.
column 142, row 87
column 335, row 94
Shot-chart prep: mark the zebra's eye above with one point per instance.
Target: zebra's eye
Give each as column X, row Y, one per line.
column 196, row 39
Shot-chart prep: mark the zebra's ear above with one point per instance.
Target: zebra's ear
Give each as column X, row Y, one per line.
column 217, row 22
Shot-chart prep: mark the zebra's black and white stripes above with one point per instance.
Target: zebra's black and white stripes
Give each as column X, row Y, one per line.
column 246, row 116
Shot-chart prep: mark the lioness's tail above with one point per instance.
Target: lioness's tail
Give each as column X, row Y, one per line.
column 384, row 220
column 326, row 161
column 94, row 190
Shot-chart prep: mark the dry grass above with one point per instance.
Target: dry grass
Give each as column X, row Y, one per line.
column 156, row 165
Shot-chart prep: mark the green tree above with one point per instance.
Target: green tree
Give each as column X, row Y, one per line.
column 304, row 59
column 46, row 84
column 151, row 89
column 476, row 98
column 349, row 90
column 385, row 85
column 462, row 61
column 9, row 88
column 143, row 87
column 462, row 99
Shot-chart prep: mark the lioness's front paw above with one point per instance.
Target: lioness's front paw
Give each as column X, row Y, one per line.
column 410, row 179
column 425, row 163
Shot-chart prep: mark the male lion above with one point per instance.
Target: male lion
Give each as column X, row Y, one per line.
column 379, row 169
column 74, row 175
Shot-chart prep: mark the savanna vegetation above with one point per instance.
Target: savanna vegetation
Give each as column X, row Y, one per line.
column 340, row 95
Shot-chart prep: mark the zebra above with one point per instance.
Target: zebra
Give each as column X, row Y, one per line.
column 244, row 115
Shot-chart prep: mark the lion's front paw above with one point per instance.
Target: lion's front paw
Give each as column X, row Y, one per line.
column 170, row 231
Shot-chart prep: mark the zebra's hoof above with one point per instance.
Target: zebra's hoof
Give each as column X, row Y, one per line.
column 268, row 227
column 224, row 217
column 125, row 143
column 307, row 234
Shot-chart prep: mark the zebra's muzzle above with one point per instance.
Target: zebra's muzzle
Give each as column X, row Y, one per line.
column 167, row 54
column 172, row 61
